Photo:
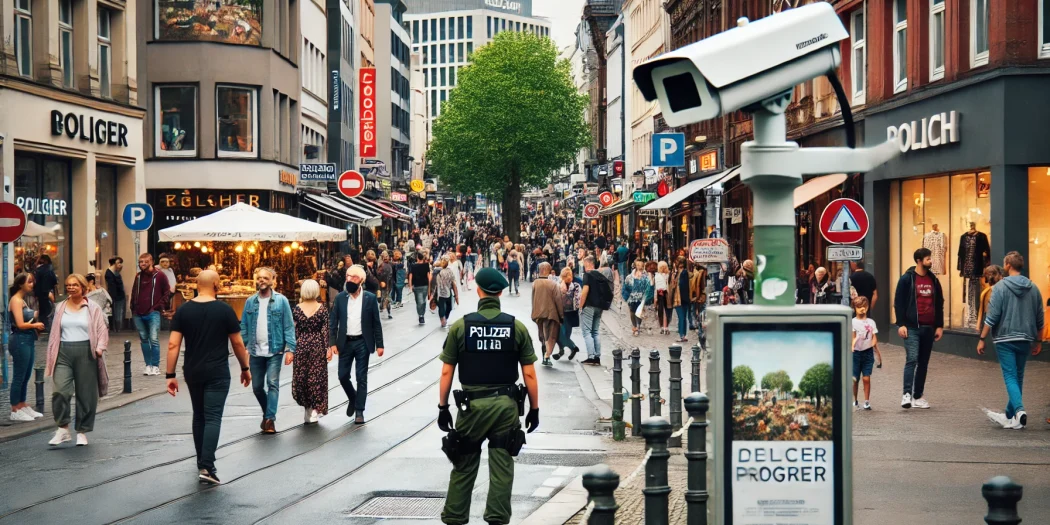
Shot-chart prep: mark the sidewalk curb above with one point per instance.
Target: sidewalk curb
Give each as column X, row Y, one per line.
column 48, row 423
column 562, row 507
column 590, row 392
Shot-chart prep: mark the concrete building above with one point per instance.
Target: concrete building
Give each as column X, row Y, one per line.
column 71, row 142
column 393, row 95
column 313, row 61
column 418, row 121
column 341, row 82
column 646, row 23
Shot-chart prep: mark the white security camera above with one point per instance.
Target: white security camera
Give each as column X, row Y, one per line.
column 744, row 65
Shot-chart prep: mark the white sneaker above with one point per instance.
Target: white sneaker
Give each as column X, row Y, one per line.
column 31, row 412
column 920, row 403
column 306, row 415
column 21, row 416
column 856, row 406
column 906, row 401
column 1021, row 419
column 61, row 436
column 867, row 405
column 313, row 416
column 81, row 439
column 154, row 370
column 147, row 370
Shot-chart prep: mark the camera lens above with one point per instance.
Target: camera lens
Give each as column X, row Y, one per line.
column 681, row 92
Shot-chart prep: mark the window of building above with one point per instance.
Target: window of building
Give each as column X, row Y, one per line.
column 459, row 52
column 503, row 24
column 452, row 28
column 444, row 95
column 442, row 76
column 517, row 27
column 488, row 25
column 1044, row 28
column 433, row 29
column 237, row 121
column 452, row 76
column 470, row 27
column 470, row 49
column 900, row 45
column 105, row 53
column 936, row 39
column 65, row 32
column 459, row 22
column 441, row 27
column 433, row 103
column 978, row 32
column 105, row 214
column 859, row 60
column 176, row 121
column 426, row 32
column 442, row 46
column 433, row 76
column 24, row 37
column 415, row 31
column 1038, row 263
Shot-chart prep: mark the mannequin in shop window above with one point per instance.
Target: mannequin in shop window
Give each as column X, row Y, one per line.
column 974, row 255
column 937, row 242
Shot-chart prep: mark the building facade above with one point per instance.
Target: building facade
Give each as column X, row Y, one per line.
column 71, row 120
column 342, row 63
column 393, row 93
column 313, row 96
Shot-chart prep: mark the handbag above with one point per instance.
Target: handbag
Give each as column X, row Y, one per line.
column 572, row 318
column 103, row 374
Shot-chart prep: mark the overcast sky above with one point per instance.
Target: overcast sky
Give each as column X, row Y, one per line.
column 564, row 16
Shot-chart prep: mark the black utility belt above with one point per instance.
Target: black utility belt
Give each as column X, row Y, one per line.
column 354, row 337
column 515, row 392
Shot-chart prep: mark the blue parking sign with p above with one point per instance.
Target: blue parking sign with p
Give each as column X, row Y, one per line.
column 138, row 216
column 668, row 150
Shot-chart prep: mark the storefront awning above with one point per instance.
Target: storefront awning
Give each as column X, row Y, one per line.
column 367, row 206
column 333, row 208
column 392, row 208
column 243, row 222
column 619, row 207
column 683, row 193
column 817, row 186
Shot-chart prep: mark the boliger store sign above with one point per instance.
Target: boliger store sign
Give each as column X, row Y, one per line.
column 936, row 130
column 91, row 129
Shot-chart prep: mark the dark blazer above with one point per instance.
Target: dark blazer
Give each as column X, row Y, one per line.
column 371, row 327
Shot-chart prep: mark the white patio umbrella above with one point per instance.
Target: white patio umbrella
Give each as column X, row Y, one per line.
column 243, row 222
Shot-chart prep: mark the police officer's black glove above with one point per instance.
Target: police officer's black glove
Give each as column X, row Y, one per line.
column 532, row 420
column 444, row 418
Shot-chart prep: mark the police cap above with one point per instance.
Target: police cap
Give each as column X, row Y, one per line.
column 491, row 280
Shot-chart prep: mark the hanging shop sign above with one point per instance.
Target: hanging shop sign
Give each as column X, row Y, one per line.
column 98, row 131
column 286, row 177
column 317, row 172
column 397, row 196
column 738, row 216
column 662, row 188
column 417, row 185
column 642, row 197
column 937, row 130
column 709, row 251
column 709, row 160
column 367, row 89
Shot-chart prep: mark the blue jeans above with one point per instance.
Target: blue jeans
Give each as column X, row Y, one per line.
column 682, row 323
column 1013, row 355
column 421, row 299
column 266, row 382
column 917, row 347
column 396, row 293
column 590, row 322
column 622, row 267
column 444, row 307
column 148, row 326
column 23, row 351
column 565, row 337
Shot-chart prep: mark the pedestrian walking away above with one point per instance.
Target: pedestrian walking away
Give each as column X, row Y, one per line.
column 596, row 297
column 488, row 347
column 149, row 297
column 919, row 307
column 354, row 333
column 208, row 327
column 75, row 349
column 22, row 345
column 312, row 353
column 680, row 297
column 1016, row 318
column 419, row 280
column 115, row 287
column 571, row 291
column 547, row 310
column 45, row 281
column 268, row 331
column 446, row 290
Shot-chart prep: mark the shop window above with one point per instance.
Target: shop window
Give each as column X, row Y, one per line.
column 65, row 37
column 236, row 119
column 978, row 32
column 936, row 40
column 1044, row 29
column 42, row 190
column 105, row 53
column 859, row 60
column 105, row 215
column 1038, row 263
column 900, row 45
column 227, row 21
column 176, row 117
column 945, row 214
column 24, row 37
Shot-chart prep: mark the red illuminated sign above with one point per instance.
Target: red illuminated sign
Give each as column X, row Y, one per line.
column 367, row 89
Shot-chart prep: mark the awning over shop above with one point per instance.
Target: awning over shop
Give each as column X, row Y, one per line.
column 817, row 186
column 392, row 208
column 619, row 207
column 243, row 222
column 683, row 193
column 367, row 206
column 334, row 208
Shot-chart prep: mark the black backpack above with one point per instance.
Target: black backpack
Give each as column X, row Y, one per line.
column 600, row 290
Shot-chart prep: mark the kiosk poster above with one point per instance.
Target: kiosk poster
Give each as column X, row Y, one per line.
column 228, row 21
column 782, row 416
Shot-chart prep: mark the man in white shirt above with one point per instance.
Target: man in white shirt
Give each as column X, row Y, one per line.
column 268, row 331
column 355, row 331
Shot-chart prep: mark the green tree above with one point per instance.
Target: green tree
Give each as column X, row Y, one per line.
column 779, row 381
column 743, row 380
column 514, row 118
column 817, row 382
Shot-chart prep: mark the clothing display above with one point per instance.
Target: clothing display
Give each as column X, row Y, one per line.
column 974, row 255
column 937, row 242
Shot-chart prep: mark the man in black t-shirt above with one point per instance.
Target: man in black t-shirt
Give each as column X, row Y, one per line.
column 419, row 281
column 207, row 325
column 864, row 283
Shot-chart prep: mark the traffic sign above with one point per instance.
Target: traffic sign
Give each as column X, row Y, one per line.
column 714, row 250
column 844, row 221
column 138, row 216
column 668, row 150
column 351, row 184
column 417, row 185
column 841, row 253
column 590, row 211
column 317, row 172
column 12, row 223
column 606, row 198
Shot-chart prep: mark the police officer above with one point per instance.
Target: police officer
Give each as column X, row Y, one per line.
column 488, row 347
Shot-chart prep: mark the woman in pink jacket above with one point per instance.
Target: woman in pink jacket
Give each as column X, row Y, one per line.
column 75, row 346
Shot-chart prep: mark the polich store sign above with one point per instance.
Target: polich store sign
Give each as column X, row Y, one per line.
column 367, row 89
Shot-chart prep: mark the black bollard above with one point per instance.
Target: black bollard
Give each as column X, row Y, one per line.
column 127, row 367
column 1002, row 495
column 675, row 394
column 654, row 382
column 601, row 482
column 696, row 454
column 618, row 427
column 636, row 392
column 40, row 389
column 696, row 369
column 656, row 431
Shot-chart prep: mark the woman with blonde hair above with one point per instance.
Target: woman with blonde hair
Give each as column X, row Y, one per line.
column 571, row 293
column 312, row 353
column 662, row 280
column 78, row 338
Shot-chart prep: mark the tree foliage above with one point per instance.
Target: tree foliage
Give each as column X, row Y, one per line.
column 743, row 380
column 779, row 381
column 817, row 382
column 514, row 118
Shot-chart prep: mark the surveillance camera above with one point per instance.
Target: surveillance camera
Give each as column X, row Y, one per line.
column 744, row 65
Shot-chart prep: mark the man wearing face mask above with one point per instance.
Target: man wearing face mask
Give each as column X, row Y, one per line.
column 354, row 333
column 919, row 306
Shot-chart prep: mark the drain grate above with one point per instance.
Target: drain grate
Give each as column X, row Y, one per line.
column 393, row 507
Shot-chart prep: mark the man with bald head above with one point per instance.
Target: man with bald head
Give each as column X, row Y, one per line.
column 206, row 325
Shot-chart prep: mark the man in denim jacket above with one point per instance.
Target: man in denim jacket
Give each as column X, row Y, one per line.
column 268, row 331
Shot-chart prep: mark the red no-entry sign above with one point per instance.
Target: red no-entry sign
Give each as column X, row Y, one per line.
column 606, row 198
column 844, row 221
column 590, row 211
column 12, row 222
column 351, row 184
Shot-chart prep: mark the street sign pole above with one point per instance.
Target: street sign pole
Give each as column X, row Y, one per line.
column 7, row 313
column 12, row 226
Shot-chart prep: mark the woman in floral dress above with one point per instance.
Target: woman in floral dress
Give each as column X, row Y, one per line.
column 310, row 371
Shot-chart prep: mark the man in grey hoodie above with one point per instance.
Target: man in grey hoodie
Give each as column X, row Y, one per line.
column 1016, row 315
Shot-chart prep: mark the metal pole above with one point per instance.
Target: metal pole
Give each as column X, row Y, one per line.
column 127, row 367
column 696, row 454
column 601, row 483
column 6, row 315
column 1002, row 495
column 656, row 431
column 40, row 389
column 636, row 392
column 654, row 382
column 695, row 386
column 618, row 426
column 845, row 283
column 675, row 394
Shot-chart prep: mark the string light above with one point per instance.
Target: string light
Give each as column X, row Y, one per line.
column 239, row 248
column 204, row 249
column 295, row 245
column 287, row 249
column 178, row 246
column 197, row 244
column 251, row 249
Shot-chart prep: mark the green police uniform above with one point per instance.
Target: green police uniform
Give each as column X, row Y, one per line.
column 488, row 416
